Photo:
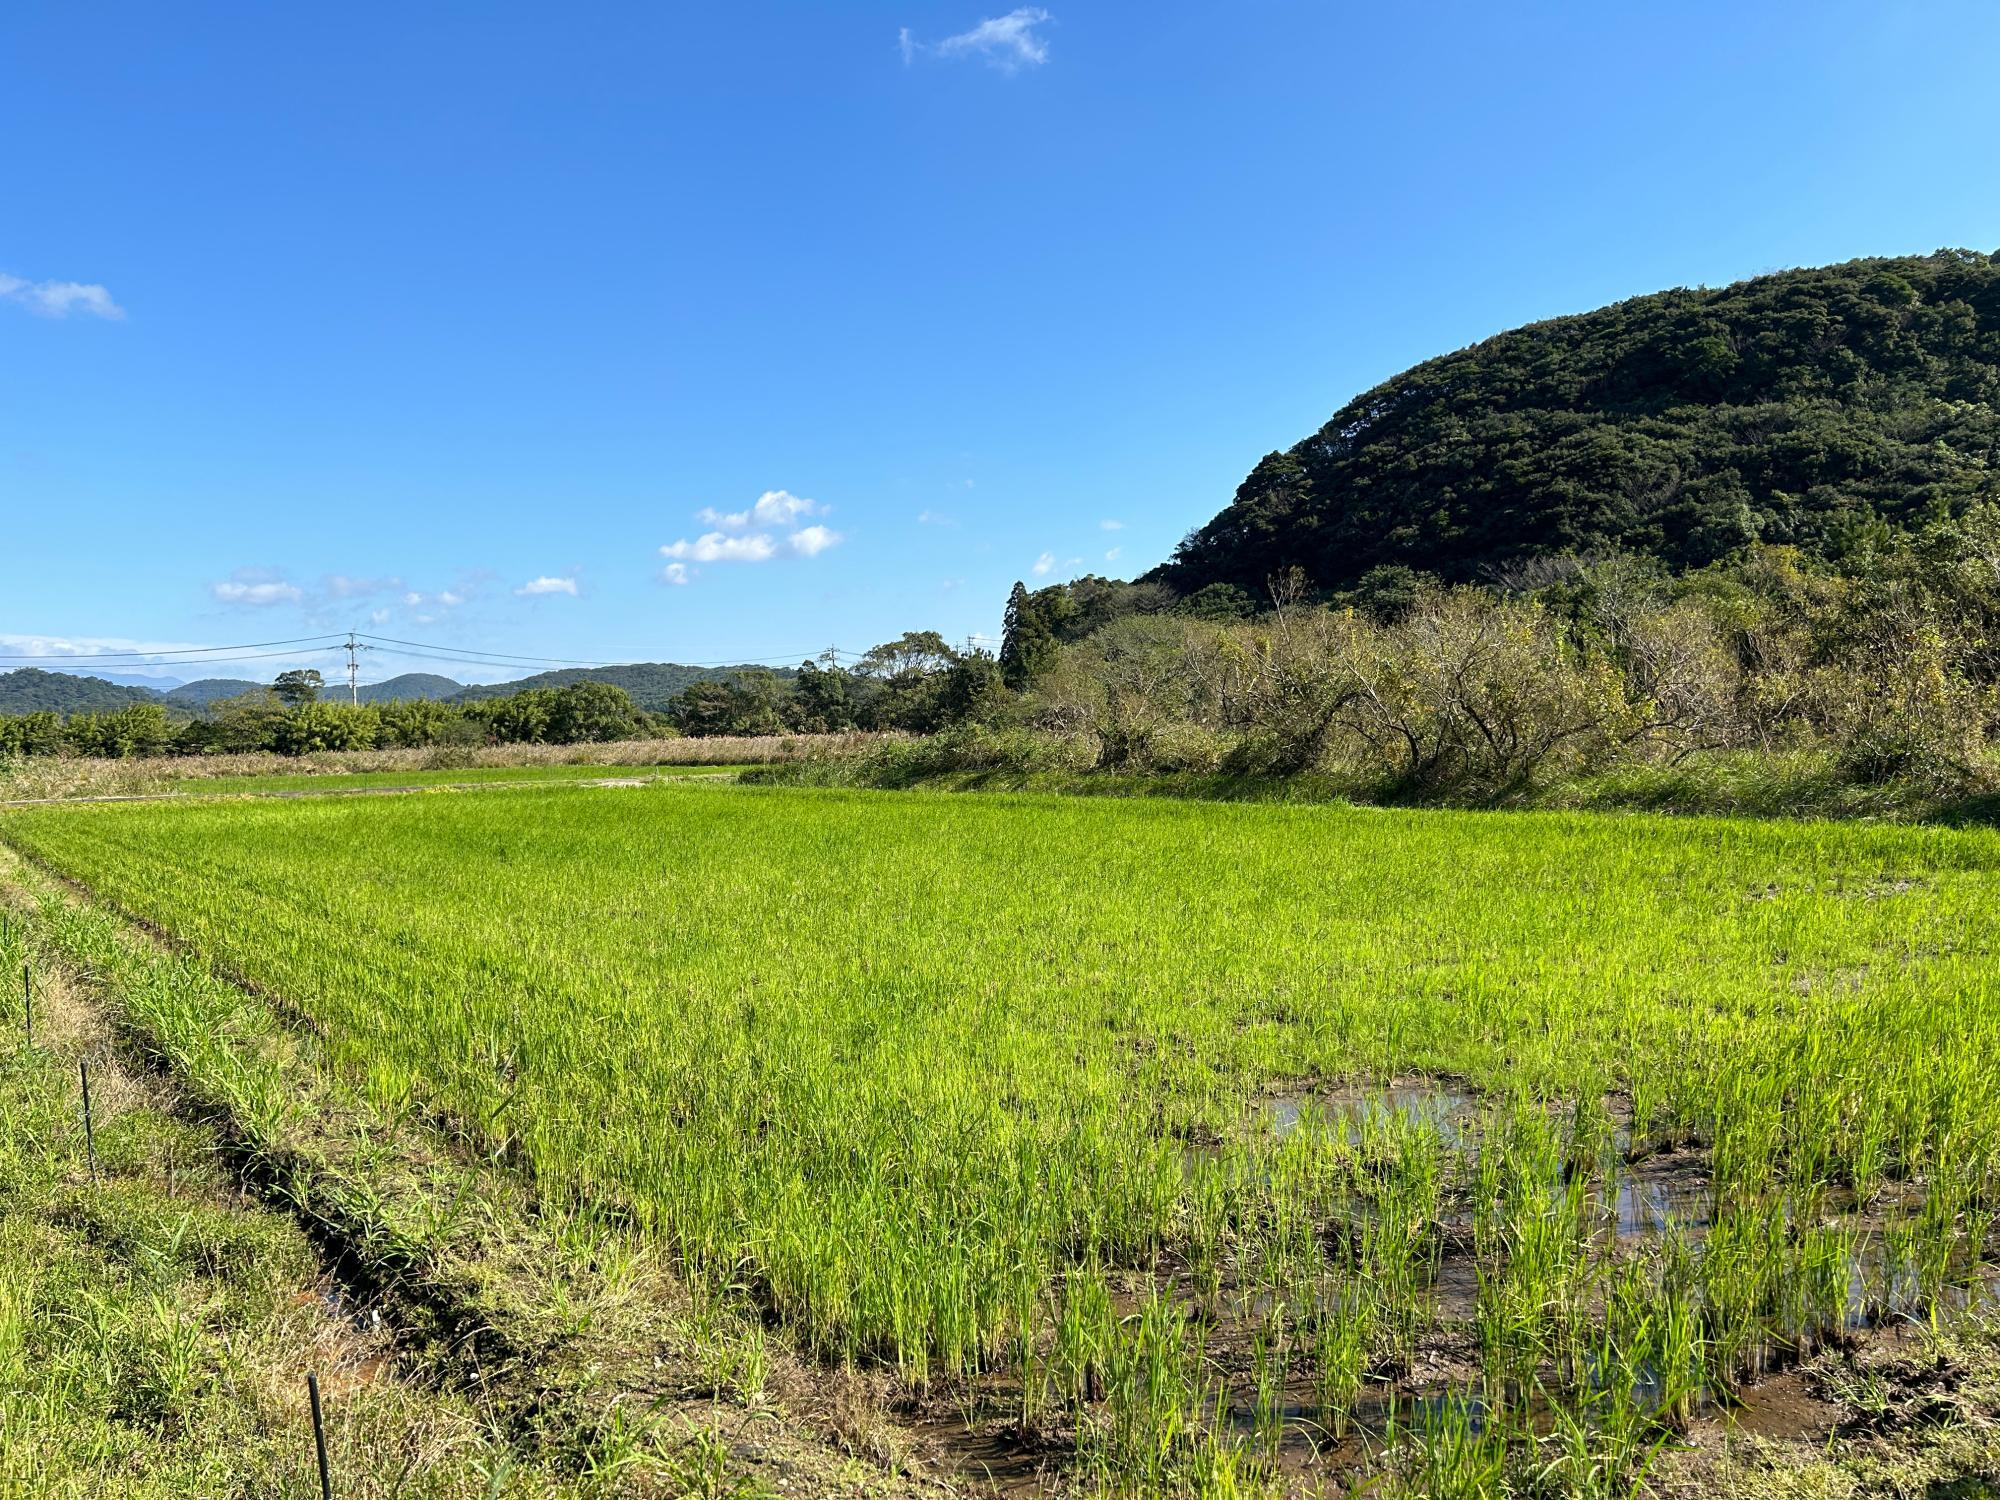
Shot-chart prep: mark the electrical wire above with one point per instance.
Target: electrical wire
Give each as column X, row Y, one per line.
column 334, row 643
column 160, row 657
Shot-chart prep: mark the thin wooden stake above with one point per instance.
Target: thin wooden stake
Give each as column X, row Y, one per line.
column 89, row 1134
column 27, row 1005
column 319, row 1439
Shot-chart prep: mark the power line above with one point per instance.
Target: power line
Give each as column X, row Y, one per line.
column 471, row 657
column 514, row 656
column 220, row 661
column 353, row 642
column 162, row 656
column 429, row 656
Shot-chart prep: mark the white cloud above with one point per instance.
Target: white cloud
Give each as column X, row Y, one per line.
column 58, row 299
column 257, row 595
column 1110, row 525
column 451, row 601
column 810, row 541
column 1112, row 555
column 413, row 600
column 716, row 546
column 764, row 530
column 1044, row 565
column 1008, row 43
column 547, row 586
column 935, row 518
column 779, row 508
column 379, row 617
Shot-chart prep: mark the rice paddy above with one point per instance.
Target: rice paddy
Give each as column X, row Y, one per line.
column 1172, row 1144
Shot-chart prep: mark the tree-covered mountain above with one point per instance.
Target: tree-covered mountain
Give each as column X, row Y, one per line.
column 403, row 689
column 1812, row 407
column 29, row 690
column 197, row 695
column 651, row 684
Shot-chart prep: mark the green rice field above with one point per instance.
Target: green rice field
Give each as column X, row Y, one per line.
column 1181, row 1140
column 337, row 781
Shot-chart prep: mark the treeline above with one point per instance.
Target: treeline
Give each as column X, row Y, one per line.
column 291, row 719
column 1886, row 660
column 917, row 684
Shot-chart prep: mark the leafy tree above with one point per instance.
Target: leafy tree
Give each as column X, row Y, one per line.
column 592, row 711
column 248, row 721
column 297, row 687
column 824, row 697
column 1026, row 643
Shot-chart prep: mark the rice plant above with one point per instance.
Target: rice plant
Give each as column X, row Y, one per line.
column 980, row 1090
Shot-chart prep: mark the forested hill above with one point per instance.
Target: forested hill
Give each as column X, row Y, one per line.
column 1809, row 407
column 28, row 690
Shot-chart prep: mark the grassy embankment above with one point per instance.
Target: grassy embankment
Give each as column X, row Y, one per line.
column 1070, row 1113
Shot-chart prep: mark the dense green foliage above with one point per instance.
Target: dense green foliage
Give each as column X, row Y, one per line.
column 916, row 683
column 1884, row 663
column 28, row 690
column 1812, row 408
column 1064, row 1088
column 652, row 685
column 291, row 721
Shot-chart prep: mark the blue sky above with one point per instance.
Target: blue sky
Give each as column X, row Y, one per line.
column 729, row 332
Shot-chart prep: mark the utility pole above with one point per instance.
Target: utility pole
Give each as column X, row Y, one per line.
column 354, row 668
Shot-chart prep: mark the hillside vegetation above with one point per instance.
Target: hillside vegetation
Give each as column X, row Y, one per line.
column 30, row 690
column 1812, row 408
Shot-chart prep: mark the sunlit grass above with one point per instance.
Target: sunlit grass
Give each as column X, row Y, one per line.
column 929, row 1080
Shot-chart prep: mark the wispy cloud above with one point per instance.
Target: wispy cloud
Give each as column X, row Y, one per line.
column 544, row 585
column 1008, row 43
column 776, row 508
column 770, row 527
column 58, row 299
column 1112, row 555
column 719, row 546
column 345, row 586
column 1110, row 525
column 257, row 593
column 1044, row 565
column 14, row 645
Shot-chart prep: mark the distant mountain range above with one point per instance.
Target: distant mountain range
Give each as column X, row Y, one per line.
column 652, row 685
